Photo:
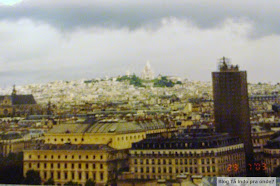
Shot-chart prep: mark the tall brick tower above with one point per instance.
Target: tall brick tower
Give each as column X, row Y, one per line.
column 231, row 104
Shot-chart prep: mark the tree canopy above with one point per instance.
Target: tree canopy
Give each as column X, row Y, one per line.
column 50, row 181
column 70, row 183
column 163, row 82
column 32, row 178
column 133, row 80
column 90, row 182
column 11, row 169
column 276, row 172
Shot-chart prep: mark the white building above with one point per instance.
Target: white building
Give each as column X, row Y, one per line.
column 147, row 73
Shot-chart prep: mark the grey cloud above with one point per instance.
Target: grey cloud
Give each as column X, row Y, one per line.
column 40, row 75
column 68, row 15
column 89, row 48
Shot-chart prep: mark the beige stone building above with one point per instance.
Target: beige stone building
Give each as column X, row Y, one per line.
column 77, row 163
column 166, row 158
column 271, row 156
column 260, row 136
column 78, row 152
column 13, row 143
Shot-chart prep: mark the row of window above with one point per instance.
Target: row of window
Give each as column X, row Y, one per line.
column 171, row 170
column 181, row 153
column 262, row 141
column 65, row 156
column 274, row 162
column 169, row 161
column 231, row 157
column 103, row 139
column 160, row 177
column 273, row 152
column 172, row 153
column 131, row 137
column 65, row 165
column 72, row 175
column 68, row 140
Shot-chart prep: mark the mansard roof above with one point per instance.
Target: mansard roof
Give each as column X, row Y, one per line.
column 71, row 147
column 188, row 142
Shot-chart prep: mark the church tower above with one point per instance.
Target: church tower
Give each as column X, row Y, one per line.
column 14, row 90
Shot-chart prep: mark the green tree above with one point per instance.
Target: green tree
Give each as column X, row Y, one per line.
column 133, row 80
column 11, row 169
column 32, row 178
column 49, row 182
column 123, row 78
column 90, row 182
column 163, row 82
column 136, row 81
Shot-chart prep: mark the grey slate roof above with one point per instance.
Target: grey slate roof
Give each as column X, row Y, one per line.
column 23, row 99
column 20, row 99
column 69, row 128
column 10, row 136
column 114, row 127
column 194, row 142
column 109, row 126
column 71, row 147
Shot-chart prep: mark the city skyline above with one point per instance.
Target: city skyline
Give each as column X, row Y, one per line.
column 44, row 41
column 144, row 92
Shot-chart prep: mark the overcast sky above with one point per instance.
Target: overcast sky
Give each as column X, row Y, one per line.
column 46, row 40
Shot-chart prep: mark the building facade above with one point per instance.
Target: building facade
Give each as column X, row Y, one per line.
column 76, row 163
column 166, row 158
column 78, row 152
column 271, row 156
column 260, row 137
column 13, row 143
